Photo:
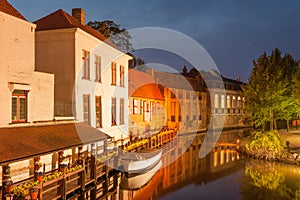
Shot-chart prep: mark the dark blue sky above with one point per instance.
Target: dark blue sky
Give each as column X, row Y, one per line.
column 234, row 32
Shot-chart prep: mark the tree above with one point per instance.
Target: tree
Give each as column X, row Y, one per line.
column 119, row 37
column 112, row 31
column 270, row 88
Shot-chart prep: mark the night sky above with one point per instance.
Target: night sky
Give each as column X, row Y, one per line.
column 233, row 32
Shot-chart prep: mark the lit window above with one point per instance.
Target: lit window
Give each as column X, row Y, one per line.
column 86, row 108
column 136, row 106
column 98, row 68
column 122, row 111
column 113, row 111
column 19, row 106
column 86, row 64
column 98, row 111
column 216, row 101
column 122, row 72
column 113, row 73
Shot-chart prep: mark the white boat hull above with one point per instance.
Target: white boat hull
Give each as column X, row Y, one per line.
column 141, row 166
column 138, row 181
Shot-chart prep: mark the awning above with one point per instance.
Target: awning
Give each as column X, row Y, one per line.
column 19, row 143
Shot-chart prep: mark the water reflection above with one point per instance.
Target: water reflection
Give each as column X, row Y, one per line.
column 222, row 174
column 189, row 169
column 270, row 181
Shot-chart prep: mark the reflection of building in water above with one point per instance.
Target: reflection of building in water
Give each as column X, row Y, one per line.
column 188, row 169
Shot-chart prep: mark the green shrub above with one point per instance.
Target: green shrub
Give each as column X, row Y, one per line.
column 265, row 144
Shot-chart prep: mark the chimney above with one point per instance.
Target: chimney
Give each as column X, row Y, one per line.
column 79, row 14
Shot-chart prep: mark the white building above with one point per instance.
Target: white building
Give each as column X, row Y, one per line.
column 90, row 74
column 26, row 96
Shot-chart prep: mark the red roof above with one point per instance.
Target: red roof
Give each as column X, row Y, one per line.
column 18, row 143
column 9, row 9
column 143, row 85
column 61, row 19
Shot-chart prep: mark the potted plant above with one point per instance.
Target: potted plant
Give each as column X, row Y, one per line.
column 8, row 183
column 63, row 168
column 34, row 192
column 20, row 192
column 39, row 176
column 37, row 166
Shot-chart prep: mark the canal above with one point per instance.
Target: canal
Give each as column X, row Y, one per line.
column 222, row 174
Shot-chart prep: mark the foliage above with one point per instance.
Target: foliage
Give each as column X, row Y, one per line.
column 266, row 177
column 117, row 35
column 270, row 87
column 58, row 173
column 265, row 144
column 270, row 180
column 296, row 91
column 23, row 190
column 8, row 182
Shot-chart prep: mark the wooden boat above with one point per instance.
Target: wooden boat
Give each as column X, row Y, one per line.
column 140, row 162
column 138, row 181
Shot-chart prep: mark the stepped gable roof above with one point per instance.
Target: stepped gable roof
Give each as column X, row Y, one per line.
column 19, row 143
column 7, row 8
column 179, row 81
column 143, row 85
column 61, row 19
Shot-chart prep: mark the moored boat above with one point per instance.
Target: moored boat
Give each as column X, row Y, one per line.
column 138, row 181
column 140, row 162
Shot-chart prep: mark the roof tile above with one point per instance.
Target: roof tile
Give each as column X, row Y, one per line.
column 7, row 8
column 61, row 19
column 17, row 143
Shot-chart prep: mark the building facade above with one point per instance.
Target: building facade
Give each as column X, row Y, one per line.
column 91, row 80
column 146, row 105
column 185, row 102
column 26, row 95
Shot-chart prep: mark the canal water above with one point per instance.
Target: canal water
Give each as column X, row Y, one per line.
column 222, row 174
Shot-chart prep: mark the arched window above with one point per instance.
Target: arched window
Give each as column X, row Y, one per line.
column 233, row 102
column 239, row 102
column 216, row 101
column 222, row 101
column 228, row 101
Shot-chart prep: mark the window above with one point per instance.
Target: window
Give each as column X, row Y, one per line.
column 228, row 102
column 179, row 95
column 98, row 68
column 173, row 96
column 216, row 101
column 86, row 108
column 179, row 113
column 233, row 102
column 19, row 106
column 113, row 73
column 86, row 64
column 122, row 72
column 141, row 107
column 194, row 96
column 173, row 111
column 222, row 101
column 187, row 95
column 200, row 97
column 98, row 106
column 136, row 106
column 239, row 102
column 113, row 111
column 122, row 111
